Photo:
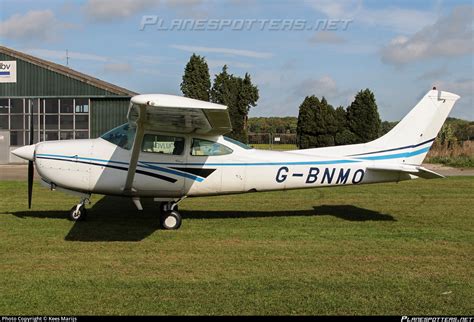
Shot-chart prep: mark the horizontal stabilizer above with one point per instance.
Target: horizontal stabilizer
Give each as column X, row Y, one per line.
column 414, row 170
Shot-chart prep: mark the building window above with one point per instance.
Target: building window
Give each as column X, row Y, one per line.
column 82, row 135
column 16, row 138
column 67, row 105
column 67, row 122
column 51, row 122
column 66, row 135
column 4, row 106
column 51, row 135
column 16, row 106
column 27, row 137
column 53, row 118
column 3, row 122
column 82, row 122
column 51, row 106
column 16, row 122
column 82, row 105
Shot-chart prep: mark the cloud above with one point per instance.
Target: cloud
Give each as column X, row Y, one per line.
column 108, row 10
column 118, row 68
column 227, row 51
column 325, row 86
column 399, row 19
column 465, row 88
column 112, row 10
column 433, row 74
column 462, row 87
column 39, row 25
column 326, row 37
column 149, row 71
column 449, row 36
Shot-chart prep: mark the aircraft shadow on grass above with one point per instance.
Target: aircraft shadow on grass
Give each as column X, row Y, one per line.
column 116, row 219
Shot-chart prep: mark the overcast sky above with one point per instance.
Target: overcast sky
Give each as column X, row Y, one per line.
column 290, row 48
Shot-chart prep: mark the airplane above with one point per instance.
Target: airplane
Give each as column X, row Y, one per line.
column 174, row 147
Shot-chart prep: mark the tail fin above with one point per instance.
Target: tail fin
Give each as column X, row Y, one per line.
column 415, row 133
column 409, row 141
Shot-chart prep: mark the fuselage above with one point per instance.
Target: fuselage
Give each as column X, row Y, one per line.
column 100, row 166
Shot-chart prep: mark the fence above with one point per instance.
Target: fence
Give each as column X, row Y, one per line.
column 273, row 141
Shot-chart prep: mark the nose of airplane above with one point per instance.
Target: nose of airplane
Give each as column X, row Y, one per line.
column 26, row 152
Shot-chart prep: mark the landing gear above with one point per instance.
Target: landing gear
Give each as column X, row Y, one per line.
column 170, row 218
column 167, row 206
column 79, row 212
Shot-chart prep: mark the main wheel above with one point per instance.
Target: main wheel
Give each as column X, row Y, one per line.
column 78, row 214
column 170, row 220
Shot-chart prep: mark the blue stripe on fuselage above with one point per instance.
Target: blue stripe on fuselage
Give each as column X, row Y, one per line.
column 153, row 165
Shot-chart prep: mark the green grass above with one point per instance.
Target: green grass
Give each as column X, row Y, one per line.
column 278, row 147
column 396, row 249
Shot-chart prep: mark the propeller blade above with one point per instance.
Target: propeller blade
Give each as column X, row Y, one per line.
column 31, row 169
column 31, row 173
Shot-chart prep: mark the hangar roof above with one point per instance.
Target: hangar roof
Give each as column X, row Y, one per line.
column 68, row 72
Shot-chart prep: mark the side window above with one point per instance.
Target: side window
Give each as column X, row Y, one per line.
column 163, row 144
column 208, row 148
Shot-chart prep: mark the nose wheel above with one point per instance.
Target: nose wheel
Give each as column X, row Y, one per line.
column 79, row 212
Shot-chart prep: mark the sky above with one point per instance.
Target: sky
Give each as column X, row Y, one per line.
column 291, row 49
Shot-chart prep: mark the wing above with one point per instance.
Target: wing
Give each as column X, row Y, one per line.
column 178, row 114
column 175, row 114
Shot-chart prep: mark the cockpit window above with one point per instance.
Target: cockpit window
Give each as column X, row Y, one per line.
column 238, row 143
column 121, row 136
column 202, row 147
column 163, row 144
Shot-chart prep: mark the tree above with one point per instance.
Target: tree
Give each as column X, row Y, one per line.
column 363, row 117
column 246, row 99
column 343, row 135
column 325, row 124
column 239, row 95
column 196, row 80
column 446, row 136
column 306, row 130
column 386, row 127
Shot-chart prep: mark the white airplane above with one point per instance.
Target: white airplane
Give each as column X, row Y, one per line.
column 173, row 148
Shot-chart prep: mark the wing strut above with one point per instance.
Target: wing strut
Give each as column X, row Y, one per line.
column 137, row 145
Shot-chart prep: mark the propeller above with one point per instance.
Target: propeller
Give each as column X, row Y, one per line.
column 31, row 169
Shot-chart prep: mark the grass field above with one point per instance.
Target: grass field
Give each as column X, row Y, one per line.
column 404, row 248
column 277, row 147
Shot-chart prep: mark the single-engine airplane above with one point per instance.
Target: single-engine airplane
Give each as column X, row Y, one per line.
column 173, row 147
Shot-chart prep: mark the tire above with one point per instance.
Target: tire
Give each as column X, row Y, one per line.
column 78, row 215
column 170, row 220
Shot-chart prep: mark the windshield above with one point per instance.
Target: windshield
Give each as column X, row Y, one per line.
column 238, row 143
column 122, row 136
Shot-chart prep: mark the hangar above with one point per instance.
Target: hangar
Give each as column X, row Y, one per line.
column 64, row 103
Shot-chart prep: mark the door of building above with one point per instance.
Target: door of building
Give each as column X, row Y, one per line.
column 4, row 147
